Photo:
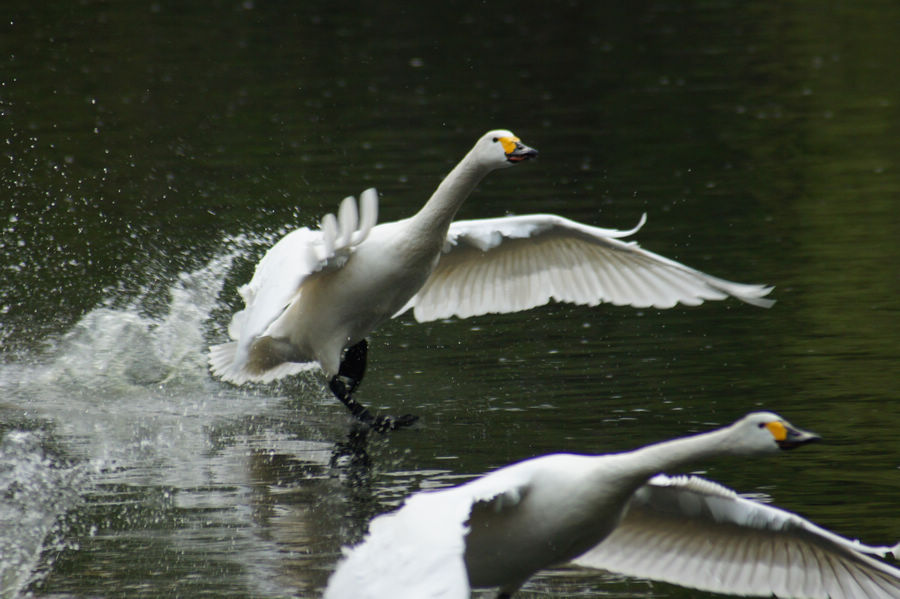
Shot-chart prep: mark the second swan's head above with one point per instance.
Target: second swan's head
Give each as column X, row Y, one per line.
column 501, row 148
column 763, row 432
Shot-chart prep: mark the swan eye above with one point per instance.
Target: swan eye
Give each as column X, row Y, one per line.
column 761, row 425
column 496, row 139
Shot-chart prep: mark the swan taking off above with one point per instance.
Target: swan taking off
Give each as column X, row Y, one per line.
column 317, row 293
column 617, row 513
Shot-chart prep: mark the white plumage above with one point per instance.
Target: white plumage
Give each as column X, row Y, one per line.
column 277, row 286
column 694, row 532
column 516, row 263
column 614, row 512
column 318, row 292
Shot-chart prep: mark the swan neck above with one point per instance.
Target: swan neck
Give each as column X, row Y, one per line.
column 440, row 209
column 677, row 453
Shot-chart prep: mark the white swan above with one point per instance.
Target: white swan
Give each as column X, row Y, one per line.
column 317, row 293
column 614, row 512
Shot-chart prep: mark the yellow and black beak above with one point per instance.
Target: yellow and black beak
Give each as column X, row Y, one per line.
column 515, row 150
column 789, row 437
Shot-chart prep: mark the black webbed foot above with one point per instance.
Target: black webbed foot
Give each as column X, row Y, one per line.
column 384, row 423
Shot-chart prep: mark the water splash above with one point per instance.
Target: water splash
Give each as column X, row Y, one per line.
column 35, row 491
column 122, row 347
column 133, row 374
column 126, row 395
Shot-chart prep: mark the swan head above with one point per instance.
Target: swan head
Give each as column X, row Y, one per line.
column 500, row 148
column 766, row 432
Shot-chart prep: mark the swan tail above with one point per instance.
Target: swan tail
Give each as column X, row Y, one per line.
column 224, row 364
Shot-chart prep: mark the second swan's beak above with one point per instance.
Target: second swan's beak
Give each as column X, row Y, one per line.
column 789, row 437
column 520, row 152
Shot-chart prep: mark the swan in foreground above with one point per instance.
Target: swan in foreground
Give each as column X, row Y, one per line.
column 618, row 513
column 317, row 293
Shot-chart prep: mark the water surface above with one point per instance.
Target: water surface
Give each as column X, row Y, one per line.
column 153, row 151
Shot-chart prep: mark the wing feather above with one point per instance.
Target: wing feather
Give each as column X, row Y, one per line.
column 348, row 220
column 695, row 533
column 417, row 551
column 368, row 215
column 388, row 564
column 536, row 258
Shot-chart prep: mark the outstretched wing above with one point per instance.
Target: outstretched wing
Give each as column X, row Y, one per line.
column 518, row 262
column 417, row 551
column 696, row 533
column 280, row 274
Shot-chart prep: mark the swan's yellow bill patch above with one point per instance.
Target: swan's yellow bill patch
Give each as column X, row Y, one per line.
column 509, row 144
column 777, row 429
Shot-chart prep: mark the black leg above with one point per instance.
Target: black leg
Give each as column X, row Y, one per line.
column 344, row 383
column 348, row 378
column 353, row 366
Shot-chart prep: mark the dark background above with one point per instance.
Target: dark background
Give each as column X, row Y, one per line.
column 151, row 151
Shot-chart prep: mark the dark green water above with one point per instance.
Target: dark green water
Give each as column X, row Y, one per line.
column 151, row 151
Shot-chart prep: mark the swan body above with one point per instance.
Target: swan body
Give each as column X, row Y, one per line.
column 317, row 293
column 614, row 512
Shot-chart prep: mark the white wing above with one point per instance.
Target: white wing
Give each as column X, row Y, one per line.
column 696, row 533
column 279, row 275
column 519, row 262
column 417, row 551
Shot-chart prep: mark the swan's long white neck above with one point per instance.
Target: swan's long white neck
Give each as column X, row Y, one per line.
column 435, row 217
column 643, row 463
